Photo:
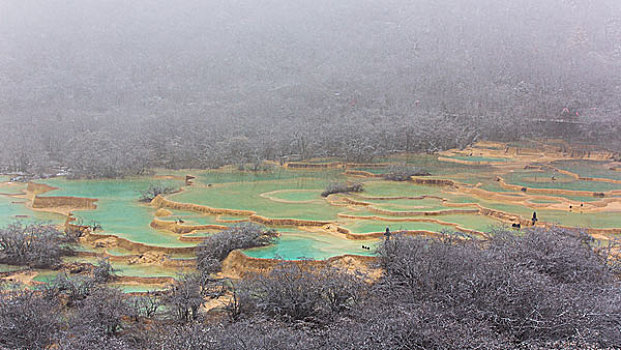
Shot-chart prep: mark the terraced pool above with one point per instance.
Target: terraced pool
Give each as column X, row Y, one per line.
column 314, row 227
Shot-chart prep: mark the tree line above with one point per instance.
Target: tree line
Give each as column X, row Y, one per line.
column 119, row 88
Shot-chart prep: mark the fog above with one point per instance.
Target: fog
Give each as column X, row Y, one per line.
column 116, row 87
column 310, row 174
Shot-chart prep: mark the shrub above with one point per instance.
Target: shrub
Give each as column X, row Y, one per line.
column 540, row 286
column 390, row 324
column 566, row 256
column 403, row 173
column 103, row 311
column 246, row 334
column 28, row 321
column 104, row 271
column 217, row 247
column 340, row 187
column 536, row 289
column 70, row 289
column 144, row 306
column 292, row 292
column 34, row 245
column 184, row 298
column 155, row 190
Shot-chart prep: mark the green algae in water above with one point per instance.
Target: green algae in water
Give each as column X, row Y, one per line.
column 116, row 251
column 10, row 268
column 132, row 270
column 406, row 203
column 138, row 288
column 469, row 178
column 12, row 188
column 475, row 222
column 247, row 196
column 374, row 226
column 46, row 276
column 574, row 218
column 479, row 159
column 413, row 206
column 544, row 180
column 432, row 164
column 126, row 189
column 118, row 209
column 235, row 219
column 192, row 218
column 202, row 233
column 264, row 192
column 131, row 221
column 494, row 186
column 321, row 161
column 543, row 201
column 14, row 209
column 588, row 168
column 601, row 220
column 580, row 198
column 317, row 246
column 382, row 188
column 147, row 270
column 467, row 221
column 296, row 195
column 215, row 177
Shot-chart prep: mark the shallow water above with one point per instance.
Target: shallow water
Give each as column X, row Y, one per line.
column 306, row 245
column 555, row 180
column 255, row 196
column 588, row 168
column 296, row 194
column 14, row 209
column 118, row 209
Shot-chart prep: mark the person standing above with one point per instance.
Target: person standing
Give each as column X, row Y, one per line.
column 387, row 234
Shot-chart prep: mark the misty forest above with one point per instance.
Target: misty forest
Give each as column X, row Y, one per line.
column 310, row 174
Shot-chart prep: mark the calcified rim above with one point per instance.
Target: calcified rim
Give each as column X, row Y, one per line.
column 518, row 156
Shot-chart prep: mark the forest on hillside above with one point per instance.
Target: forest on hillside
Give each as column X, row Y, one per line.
column 113, row 88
